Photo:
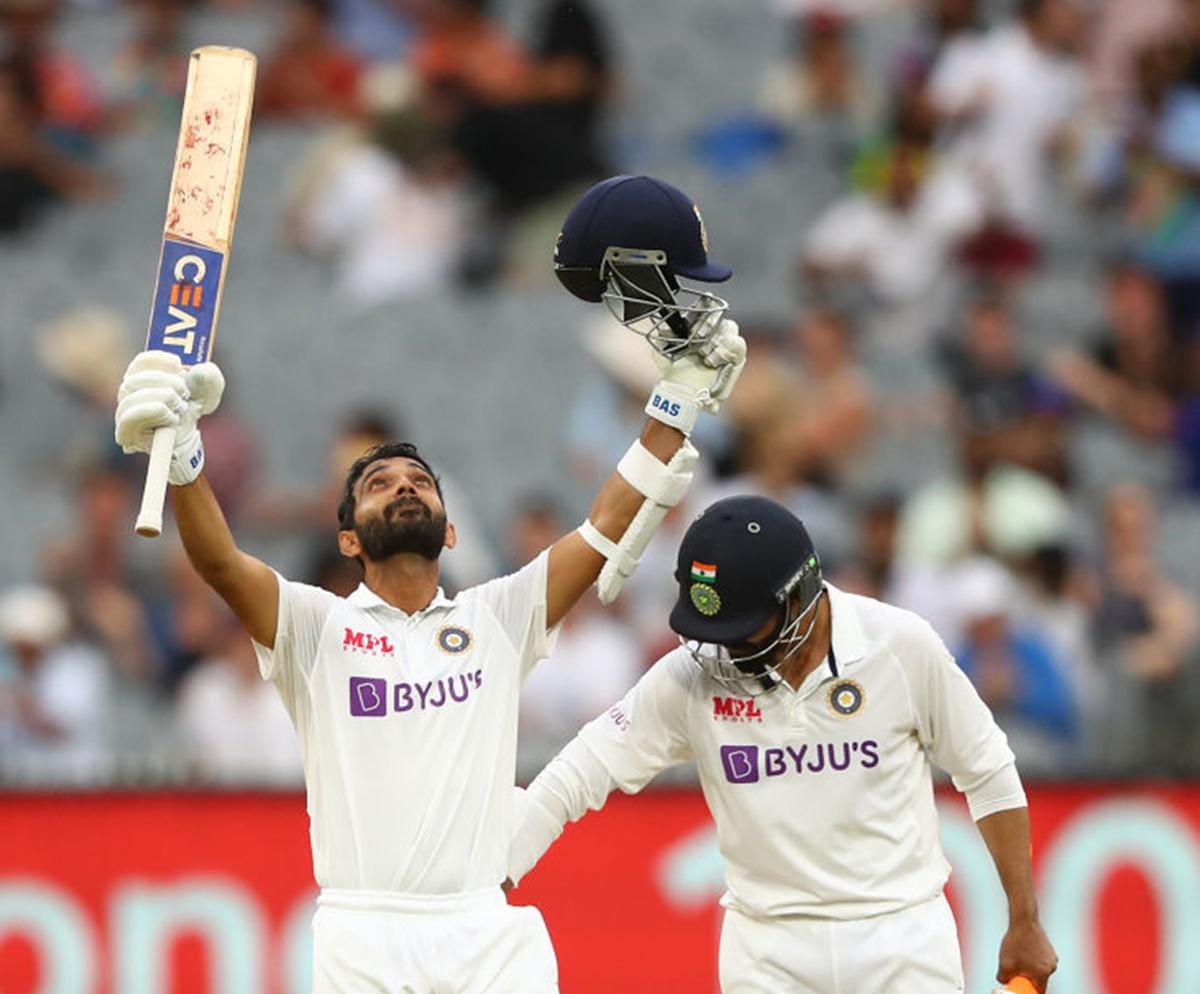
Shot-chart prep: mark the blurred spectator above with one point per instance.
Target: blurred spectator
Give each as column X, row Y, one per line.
column 820, row 90
column 871, row 569
column 1147, row 630
column 1122, row 29
column 1015, row 669
column 832, row 422
column 574, row 78
column 595, row 659
column 1057, row 599
column 895, row 241
column 380, row 202
column 308, row 74
column 1130, row 372
column 523, row 122
column 34, row 171
column 1006, row 101
column 148, row 78
column 990, row 506
column 771, row 460
column 377, row 32
column 943, row 23
column 997, row 390
column 53, row 694
column 85, row 351
column 106, row 577
column 61, row 93
column 232, row 722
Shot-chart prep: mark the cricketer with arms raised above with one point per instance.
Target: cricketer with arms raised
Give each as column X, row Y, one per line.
column 405, row 700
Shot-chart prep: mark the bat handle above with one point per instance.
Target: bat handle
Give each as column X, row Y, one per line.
column 149, row 519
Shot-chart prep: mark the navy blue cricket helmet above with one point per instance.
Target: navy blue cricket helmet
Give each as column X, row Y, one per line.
column 627, row 242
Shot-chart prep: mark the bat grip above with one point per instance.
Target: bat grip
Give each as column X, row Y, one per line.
column 149, row 519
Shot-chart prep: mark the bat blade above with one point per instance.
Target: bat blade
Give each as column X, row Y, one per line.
column 210, row 159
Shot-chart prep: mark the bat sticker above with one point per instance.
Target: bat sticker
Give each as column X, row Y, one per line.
column 185, row 301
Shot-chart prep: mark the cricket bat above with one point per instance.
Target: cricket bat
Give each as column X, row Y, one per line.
column 201, row 208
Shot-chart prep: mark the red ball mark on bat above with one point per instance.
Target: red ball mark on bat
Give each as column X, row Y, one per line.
column 189, row 136
column 195, row 192
column 208, row 117
column 214, row 149
column 173, row 217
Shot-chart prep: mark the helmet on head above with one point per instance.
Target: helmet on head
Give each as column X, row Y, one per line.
column 745, row 560
column 627, row 242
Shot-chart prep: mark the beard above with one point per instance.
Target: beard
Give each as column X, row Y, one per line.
column 405, row 526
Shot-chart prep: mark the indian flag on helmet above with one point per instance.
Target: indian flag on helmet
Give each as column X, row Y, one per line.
column 703, row 572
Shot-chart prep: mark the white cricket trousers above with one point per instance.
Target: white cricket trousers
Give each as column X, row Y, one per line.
column 914, row 951
column 366, row 942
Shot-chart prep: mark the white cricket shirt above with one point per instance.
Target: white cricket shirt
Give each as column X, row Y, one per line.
column 822, row 796
column 408, row 728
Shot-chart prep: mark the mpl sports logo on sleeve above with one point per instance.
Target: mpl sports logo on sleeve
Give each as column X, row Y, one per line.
column 185, row 302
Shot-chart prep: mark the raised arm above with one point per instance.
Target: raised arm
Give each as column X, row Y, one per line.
column 651, row 477
column 157, row 392
column 247, row 585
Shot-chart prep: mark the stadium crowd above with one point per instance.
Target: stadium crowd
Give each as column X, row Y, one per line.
column 1051, row 549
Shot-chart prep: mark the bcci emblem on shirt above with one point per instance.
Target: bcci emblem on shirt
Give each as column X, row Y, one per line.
column 845, row 698
column 453, row 639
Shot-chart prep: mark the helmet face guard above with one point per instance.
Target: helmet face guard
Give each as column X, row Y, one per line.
column 641, row 292
column 758, row 672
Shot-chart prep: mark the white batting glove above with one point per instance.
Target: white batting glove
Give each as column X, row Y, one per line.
column 157, row 391
column 699, row 380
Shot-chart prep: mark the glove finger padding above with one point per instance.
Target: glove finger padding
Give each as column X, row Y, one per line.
column 725, row 347
column 153, row 379
column 139, row 416
column 154, row 359
column 206, row 385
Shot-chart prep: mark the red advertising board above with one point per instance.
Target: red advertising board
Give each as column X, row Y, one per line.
column 208, row 893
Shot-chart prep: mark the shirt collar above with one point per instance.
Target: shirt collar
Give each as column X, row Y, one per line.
column 365, row 597
column 846, row 635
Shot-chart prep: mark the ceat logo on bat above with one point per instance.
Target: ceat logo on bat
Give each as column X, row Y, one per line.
column 736, row 709
column 185, row 301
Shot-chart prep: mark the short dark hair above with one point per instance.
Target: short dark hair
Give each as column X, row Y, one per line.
column 388, row 450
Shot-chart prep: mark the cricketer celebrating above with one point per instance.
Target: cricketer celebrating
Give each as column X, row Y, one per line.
column 813, row 716
column 405, row 700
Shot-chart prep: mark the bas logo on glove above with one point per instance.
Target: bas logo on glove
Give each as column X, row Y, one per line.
column 661, row 403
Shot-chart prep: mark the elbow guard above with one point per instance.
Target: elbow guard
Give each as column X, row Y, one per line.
column 662, row 486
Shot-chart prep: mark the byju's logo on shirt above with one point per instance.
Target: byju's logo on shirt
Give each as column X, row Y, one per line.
column 741, row 763
column 747, row 763
column 364, row 643
column 370, row 696
column 736, row 709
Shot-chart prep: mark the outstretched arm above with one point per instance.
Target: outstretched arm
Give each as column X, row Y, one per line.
column 1026, row 950
column 156, row 392
column 624, row 748
column 573, row 783
column 574, row 564
column 650, row 479
column 247, row 585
